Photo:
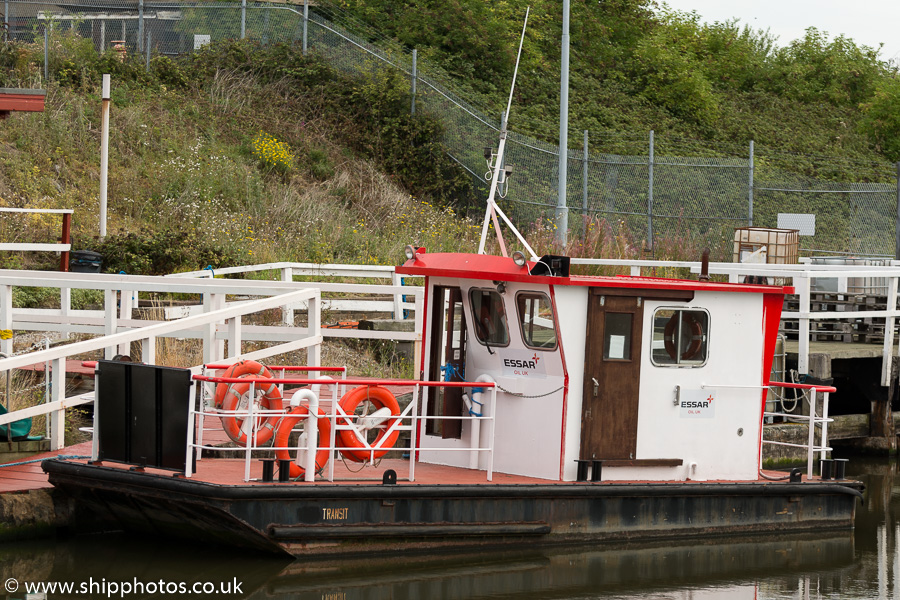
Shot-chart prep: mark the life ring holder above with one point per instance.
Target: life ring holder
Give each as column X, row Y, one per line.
column 689, row 323
column 283, row 434
column 353, row 448
column 229, row 396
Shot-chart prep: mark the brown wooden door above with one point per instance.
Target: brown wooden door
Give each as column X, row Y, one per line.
column 612, row 376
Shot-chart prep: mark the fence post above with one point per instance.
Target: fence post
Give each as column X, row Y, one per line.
column 6, row 18
column 287, row 313
column 584, row 188
column 147, row 65
column 104, row 152
column 46, row 53
column 65, row 238
column 412, row 109
column 57, row 418
column 6, row 320
column 305, row 25
column 750, row 197
column 897, row 222
column 140, row 40
column 243, row 19
column 650, row 195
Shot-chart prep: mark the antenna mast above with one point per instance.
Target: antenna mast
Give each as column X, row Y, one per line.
column 492, row 210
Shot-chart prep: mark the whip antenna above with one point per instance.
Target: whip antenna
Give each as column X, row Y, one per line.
column 492, row 210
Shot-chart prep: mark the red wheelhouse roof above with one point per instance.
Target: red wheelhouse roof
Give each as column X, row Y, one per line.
column 498, row 268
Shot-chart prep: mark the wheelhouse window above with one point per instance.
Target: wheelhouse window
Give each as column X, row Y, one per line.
column 680, row 337
column 536, row 317
column 489, row 317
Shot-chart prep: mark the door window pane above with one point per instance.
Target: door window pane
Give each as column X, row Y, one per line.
column 617, row 336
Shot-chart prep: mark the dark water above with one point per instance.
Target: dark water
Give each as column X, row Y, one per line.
column 864, row 563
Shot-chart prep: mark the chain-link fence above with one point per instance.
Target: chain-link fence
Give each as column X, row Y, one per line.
column 653, row 192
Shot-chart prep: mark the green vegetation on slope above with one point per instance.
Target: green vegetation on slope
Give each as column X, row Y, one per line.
column 198, row 161
column 636, row 67
column 240, row 153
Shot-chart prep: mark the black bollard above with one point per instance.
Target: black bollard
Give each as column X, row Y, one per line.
column 582, row 470
column 284, row 470
column 826, row 469
column 596, row 470
column 840, row 468
column 268, row 473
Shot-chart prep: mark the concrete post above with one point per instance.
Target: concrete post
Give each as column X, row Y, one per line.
column 305, row 25
column 897, row 222
column 584, row 186
column 750, row 190
column 46, row 53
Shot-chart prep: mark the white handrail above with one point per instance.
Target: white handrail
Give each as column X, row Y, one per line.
column 812, row 421
column 409, row 414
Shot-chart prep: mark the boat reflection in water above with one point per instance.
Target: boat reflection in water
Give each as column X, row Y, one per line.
column 691, row 569
column 730, row 568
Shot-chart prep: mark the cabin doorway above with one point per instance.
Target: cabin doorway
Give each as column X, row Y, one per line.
column 447, row 361
column 612, row 376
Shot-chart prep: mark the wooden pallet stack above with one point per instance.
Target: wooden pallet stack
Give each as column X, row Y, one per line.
column 860, row 330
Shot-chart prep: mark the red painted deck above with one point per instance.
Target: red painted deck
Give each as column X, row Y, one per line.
column 29, row 476
column 230, row 471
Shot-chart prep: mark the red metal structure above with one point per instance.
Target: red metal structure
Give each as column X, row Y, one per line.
column 12, row 99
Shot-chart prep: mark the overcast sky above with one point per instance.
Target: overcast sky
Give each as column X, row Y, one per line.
column 867, row 22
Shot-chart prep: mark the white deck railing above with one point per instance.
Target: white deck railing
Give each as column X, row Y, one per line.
column 408, row 420
column 802, row 277
column 812, row 420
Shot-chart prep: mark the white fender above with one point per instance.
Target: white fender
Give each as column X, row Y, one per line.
column 311, row 432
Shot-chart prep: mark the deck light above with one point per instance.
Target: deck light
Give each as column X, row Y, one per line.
column 410, row 252
column 519, row 258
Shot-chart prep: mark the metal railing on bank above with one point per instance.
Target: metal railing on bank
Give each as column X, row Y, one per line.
column 220, row 324
column 801, row 277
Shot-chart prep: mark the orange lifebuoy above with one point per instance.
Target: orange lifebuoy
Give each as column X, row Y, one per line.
column 229, row 396
column 696, row 335
column 283, row 434
column 381, row 398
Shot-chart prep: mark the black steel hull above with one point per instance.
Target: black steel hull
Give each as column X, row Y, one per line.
column 327, row 519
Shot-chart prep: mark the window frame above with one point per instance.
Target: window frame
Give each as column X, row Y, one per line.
column 706, row 333
column 521, row 321
column 476, row 329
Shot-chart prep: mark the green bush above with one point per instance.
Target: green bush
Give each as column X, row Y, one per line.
column 161, row 253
